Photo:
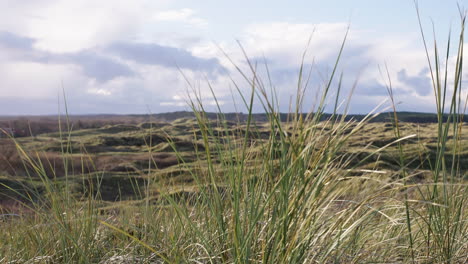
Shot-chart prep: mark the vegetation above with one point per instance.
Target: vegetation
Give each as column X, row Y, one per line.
column 26, row 126
column 311, row 188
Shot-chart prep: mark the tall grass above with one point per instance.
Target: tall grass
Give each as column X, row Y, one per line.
column 287, row 197
column 442, row 221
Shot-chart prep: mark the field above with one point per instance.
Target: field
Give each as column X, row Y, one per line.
column 123, row 158
column 155, row 191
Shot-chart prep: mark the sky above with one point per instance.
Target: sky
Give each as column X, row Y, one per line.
column 152, row 56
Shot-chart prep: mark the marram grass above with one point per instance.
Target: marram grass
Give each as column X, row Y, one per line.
column 289, row 196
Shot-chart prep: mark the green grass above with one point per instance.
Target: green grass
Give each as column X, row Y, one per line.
column 315, row 189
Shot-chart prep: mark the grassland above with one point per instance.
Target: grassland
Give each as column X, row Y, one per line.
column 309, row 188
column 166, row 151
column 138, row 178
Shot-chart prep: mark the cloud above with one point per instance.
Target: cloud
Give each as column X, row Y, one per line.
column 31, row 79
column 122, row 56
column 150, row 53
column 101, row 63
column 20, row 105
column 93, row 48
column 287, row 41
column 376, row 88
column 71, row 26
column 94, row 65
column 99, row 80
column 184, row 15
column 99, row 92
column 13, row 41
column 283, row 44
column 421, row 83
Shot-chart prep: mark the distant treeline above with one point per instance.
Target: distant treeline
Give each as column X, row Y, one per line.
column 411, row 117
column 24, row 126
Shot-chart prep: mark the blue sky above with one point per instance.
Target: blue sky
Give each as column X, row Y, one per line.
column 115, row 56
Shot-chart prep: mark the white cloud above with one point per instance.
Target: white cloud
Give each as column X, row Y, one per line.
column 287, row 41
column 85, row 28
column 185, row 15
column 99, row 92
column 34, row 80
column 70, row 26
column 282, row 44
column 175, row 103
